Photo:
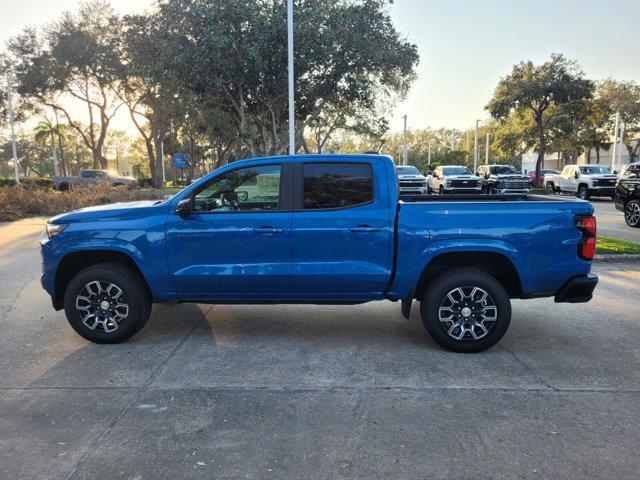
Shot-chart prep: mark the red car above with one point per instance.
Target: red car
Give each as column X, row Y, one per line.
column 532, row 176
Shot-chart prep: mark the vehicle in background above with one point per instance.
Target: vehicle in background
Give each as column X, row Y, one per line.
column 585, row 181
column 411, row 181
column 321, row 229
column 627, row 196
column 454, row 179
column 91, row 177
column 543, row 173
column 503, row 179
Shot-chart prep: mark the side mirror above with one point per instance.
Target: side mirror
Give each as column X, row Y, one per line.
column 184, row 208
column 576, row 174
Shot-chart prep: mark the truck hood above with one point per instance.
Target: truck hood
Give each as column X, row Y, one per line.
column 410, row 177
column 460, row 177
column 105, row 211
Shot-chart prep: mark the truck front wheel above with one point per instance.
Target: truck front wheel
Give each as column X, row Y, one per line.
column 465, row 310
column 107, row 303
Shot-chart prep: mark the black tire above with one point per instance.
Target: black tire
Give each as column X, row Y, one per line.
column 134, row 293
column 583, row 193
column 441, row 190
column 551, row 186
column 465, row 279
column 631, row 212
column 64, row 187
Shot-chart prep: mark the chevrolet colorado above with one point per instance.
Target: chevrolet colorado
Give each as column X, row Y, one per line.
column 319, row 229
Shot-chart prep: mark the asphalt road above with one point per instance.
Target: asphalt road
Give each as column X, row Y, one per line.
column 611, row 221
column 316, row 392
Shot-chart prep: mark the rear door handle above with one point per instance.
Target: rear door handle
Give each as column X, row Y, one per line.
column 268, row 230
column 365, row 229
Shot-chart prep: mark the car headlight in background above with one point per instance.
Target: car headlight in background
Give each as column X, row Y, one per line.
column 54, row 229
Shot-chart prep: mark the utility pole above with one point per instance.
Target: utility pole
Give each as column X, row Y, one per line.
column 16, row 169
column 429, row 157
column 486, row 160
column 404, row 157
column 475, row 149
column 615, row 141
column 164, row 178
column 292, row 102
column 619, row 159
column 466, row 157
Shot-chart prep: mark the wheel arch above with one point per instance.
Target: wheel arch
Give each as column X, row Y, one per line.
column 73, row 263
column 495, row 264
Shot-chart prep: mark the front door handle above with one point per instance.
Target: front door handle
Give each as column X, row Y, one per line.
column 268, row 230
column 365, row 229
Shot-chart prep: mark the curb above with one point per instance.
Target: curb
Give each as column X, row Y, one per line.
column 610, row 258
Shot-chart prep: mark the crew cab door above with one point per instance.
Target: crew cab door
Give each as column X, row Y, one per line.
column 568, row 180
column 341, row 232
column 236, row 241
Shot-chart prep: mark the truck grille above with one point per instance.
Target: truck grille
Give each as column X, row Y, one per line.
column 515, row 184
column 465, row 184
column 412, row 183
column 604, row 183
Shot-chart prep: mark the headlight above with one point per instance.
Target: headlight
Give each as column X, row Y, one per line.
column 54, row 229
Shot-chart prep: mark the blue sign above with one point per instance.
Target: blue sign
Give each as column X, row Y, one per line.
column 181, row 160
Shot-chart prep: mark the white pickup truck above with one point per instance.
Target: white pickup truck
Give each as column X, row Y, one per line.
column 454, row 179
column 91, row 177
column 585, row 181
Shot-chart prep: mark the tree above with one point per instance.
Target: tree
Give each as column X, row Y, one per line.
column 232, row 57
column 546, row 91
column 48, row 133
column 75, row 60
column 623, row 97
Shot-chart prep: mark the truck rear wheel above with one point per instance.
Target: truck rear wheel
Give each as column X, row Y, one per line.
column 465, row 310
column 107, row 303
column 583, row 193
column 632, row 214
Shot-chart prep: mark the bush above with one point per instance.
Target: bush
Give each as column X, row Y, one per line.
column 20, row 201
column 145, row 182
column 30, row 182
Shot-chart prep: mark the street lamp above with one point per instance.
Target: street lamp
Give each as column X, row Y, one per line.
column 475, row 149
column 292, row 119
column 13, row 133
column 404, row 158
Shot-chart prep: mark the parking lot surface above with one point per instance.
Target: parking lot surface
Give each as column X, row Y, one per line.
column 316, row 391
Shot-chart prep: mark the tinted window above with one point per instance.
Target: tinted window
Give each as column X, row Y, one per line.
column 503, row 170
column 594, row 170
column 409, row 170
column 456, row 171
column 337, row 185
column 245, row 189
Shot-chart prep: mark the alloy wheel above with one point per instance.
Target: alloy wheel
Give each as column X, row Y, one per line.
column 632, row 214
column 102, row 306
column 467, row 313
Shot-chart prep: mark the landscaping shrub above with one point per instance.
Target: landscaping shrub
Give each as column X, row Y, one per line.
column 26, row 200
column 31, row 182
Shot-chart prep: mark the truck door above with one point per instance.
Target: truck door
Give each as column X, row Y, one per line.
column 236, row 242
column 341, row 233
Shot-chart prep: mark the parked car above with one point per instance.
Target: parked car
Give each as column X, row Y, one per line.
column 585, row 181
column 327, row 229
column 543, row 173
column 454, row 179
column 91, row 177
column 503, row 179
column 628, row 194
column 410, row 180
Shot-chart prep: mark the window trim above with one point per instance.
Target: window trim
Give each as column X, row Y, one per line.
column 285, row 173
column 298, row 189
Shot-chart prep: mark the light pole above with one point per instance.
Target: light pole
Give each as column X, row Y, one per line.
column 13, row 133
column 292, row 104
column 615, row 141
column 404, row 157
column 486, row 160
column 466, row 157
column 475, row 149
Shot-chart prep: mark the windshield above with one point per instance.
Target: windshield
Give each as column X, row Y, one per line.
column 594, row 170
column 456, row 171
column 503, row 169
column 407, row 171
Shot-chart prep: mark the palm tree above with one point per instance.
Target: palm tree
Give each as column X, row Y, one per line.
column 47, row 133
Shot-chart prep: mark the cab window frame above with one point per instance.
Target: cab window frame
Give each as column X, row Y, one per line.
column 299, row 186
column 283, row 192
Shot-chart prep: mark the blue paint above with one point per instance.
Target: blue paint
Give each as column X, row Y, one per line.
column 337, row 255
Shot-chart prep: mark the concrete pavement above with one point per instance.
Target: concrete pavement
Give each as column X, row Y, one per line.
column 316, row 392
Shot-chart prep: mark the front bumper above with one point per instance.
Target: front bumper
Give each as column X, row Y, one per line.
column 577, row 290
column 602, row 191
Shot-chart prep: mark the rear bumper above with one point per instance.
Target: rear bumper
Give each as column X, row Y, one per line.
column 577, row 290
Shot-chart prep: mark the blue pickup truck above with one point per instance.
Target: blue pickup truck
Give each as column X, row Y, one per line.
column 319, row 229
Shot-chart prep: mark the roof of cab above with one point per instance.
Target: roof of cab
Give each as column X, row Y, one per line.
column 332, row 157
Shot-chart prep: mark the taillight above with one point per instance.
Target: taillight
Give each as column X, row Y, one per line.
column 587, row 244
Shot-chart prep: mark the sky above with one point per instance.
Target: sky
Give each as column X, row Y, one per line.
column 465, row 46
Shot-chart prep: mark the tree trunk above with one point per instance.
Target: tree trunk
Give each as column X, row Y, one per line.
column 597, row 155
column 541, row 150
